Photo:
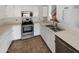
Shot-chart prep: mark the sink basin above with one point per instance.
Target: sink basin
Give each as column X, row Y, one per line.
column 49, row 26
column 55, row 29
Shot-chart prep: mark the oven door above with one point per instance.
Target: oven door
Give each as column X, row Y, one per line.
column 27, row 29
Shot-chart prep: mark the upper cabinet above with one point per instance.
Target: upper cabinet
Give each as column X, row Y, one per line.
column 40, row 12
column 2, row 11
column 15, row 10
column 10, row 11
column 35, row 11
column 45, row 11
column 68, row 14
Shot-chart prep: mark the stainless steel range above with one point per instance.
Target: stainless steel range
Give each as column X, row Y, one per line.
column 27, row 24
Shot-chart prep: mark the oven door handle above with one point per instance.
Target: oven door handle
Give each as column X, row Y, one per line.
column 26, row 25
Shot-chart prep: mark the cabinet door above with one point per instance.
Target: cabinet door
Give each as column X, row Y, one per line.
column 10, row 11
column 48, row 37
column 45, row 11
column 36, row 29
column 16, row 32
column 62, row 47
column 43, row 33
column 5, row 41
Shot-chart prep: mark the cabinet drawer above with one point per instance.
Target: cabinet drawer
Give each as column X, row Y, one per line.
column 5, row 42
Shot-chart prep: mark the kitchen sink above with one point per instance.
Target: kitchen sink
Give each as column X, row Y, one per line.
column 49, row 26
column 55, row 29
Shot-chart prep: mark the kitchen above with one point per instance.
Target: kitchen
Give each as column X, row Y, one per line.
column 53, row 31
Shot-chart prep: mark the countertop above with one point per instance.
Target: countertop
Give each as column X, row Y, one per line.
column 4, row 29
column 7, row 23
column 68, row 36
column 11, row 21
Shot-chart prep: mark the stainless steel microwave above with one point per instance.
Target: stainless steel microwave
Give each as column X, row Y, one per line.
column 27, row 14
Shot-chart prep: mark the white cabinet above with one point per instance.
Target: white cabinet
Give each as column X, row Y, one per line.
column 5, row 41
column 16, row 32
column 12, row 33
column 36, row 29
column 45, row 11
column 2, row 11
column 15, row 10
column 49, row 37
column 10, row 11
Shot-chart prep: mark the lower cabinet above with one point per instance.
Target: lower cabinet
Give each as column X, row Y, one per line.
column 13, row 33
column 36, row 29
column 63, row 47
column 49, row 37
column 5, row 41
column 16, row 32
